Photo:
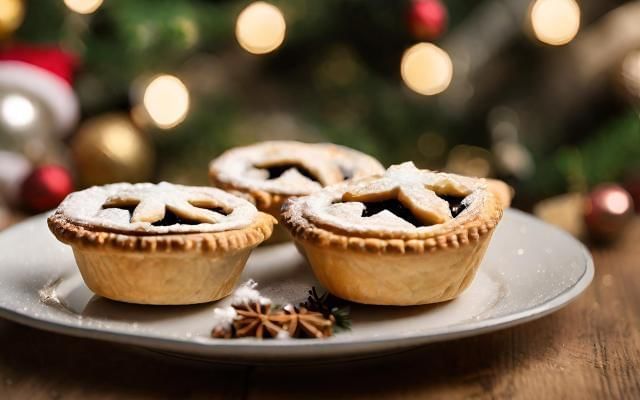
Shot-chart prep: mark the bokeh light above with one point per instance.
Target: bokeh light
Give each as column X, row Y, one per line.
column 469, row 160
column 189, row 30
column 555, row 22
column 83, row 6
column 426, row 69
column 431, row 145
column 260, row 28
column 166, row 100
column 513, row 158
column 631, row 73
column 17, row 111
column 617, row 202
column 11, row 15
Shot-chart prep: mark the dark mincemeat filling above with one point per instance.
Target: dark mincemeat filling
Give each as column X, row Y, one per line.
column 170, row 218
column 456, row 205
column 275, row 171
column 394, row 206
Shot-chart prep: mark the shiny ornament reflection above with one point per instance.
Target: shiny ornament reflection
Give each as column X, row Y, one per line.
column 426, row 69
column 608, row 210
column 27, row 126
column 260, row 28
column 617, row 202
column 17, row 111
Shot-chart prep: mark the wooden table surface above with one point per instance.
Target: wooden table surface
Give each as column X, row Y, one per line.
column 590, row 349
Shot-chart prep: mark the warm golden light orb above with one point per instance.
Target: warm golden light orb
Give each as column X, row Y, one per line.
column 83, row 6
column 555, row 22
column 260, row 28
column 166, row 100
column 426, row 69
column 11, row 15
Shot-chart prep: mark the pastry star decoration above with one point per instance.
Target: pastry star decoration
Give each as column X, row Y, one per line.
column 320, row 166
column 415, row 189
column 152, row 202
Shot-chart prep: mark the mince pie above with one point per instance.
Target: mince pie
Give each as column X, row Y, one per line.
column 407, row 237
column 159, row 243
column 270, row 172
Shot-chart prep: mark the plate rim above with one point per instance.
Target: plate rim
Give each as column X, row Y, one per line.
column 212, row 346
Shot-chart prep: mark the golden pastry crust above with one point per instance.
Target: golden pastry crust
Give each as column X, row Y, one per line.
column 384, row 259
column 242, row 170
column 396, row 279
column 270, row 203
column 464, row 235
column 310, row 218
column 209, row 242
column 159, row 244
column 503, row 192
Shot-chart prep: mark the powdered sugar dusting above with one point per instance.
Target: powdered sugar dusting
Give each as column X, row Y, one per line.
column 242, row 167
column 223, row 317
column 341, row 206
column 151, row 201
column 247, row 293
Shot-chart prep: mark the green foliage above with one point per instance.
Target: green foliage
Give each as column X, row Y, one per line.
column 603, row 157
column 342, row 316
column 609, row 153
column 329, row 305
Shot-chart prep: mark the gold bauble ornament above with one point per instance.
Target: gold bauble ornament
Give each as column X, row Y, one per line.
column 109, row 148
column 11, row 16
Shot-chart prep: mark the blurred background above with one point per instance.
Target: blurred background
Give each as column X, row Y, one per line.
column 544, row 94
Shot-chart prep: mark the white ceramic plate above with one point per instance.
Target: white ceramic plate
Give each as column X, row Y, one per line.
column 530, row 270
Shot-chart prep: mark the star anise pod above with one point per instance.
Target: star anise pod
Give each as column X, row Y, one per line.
column 301, row 323
column 255, row 320
column 252, row 315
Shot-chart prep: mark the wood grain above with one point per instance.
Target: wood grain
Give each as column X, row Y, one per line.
column 590, row 349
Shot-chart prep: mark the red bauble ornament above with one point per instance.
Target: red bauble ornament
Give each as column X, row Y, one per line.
column 53, row 59
column 608, row 209
column 46, row 74
column 427, row 19
column 46, row 187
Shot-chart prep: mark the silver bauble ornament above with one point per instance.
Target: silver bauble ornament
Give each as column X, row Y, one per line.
column 26, row 124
